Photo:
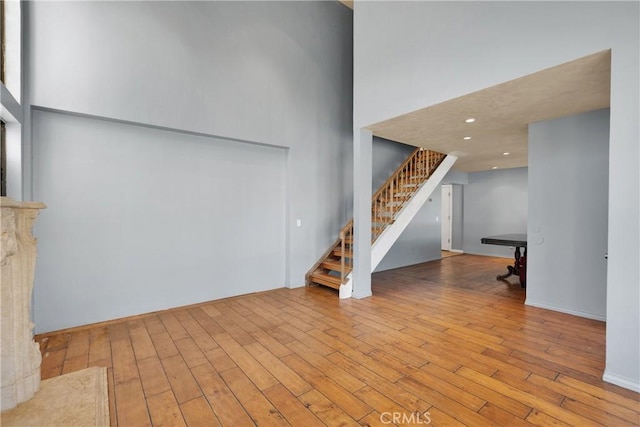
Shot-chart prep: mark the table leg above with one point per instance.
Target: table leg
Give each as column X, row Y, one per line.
column 513, row 270
column 522, row 266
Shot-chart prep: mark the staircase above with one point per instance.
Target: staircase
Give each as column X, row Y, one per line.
column 334, row 266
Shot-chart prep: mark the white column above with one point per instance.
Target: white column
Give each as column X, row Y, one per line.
column 20, row 355
column 362, row 190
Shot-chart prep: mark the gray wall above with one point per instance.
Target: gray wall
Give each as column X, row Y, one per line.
column 275, row 73
column 124, row 233
column 416, row 54
column 568, row 194
column 495, row 202
column 420, row 241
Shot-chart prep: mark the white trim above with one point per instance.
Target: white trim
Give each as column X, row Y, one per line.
column 578, row 313
column 631, row 384
column 458, row 251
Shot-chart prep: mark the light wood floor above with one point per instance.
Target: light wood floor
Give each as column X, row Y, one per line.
column 443, row 337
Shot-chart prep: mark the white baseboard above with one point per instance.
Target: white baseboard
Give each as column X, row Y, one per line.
column 458, row 251
column 628, row 383
column 578, row 313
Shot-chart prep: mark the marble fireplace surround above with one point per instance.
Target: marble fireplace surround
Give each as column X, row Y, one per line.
column 20, row 355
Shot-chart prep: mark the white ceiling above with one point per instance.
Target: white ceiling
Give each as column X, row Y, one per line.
column 503, row 113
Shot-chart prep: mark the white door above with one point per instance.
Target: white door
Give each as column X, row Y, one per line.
column 446, row 216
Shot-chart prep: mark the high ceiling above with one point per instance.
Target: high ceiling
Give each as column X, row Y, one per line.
column 502, row 114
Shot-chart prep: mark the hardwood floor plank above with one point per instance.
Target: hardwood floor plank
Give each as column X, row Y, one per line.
column 518, row 367
column 199, row 335
column 52, row 362
column 497, row 399
column 131, row 404
column 541, row 419
column 190, row 352
column 219, row 359
column 443, row 403
column 75, row 364
column 225, row 405
column 154, row 325
column 319, row 362
column 125, row 367
column 285, row 375
column 326, row 410
column 270, row 343
column 440, row 419
column 206, row 322
column 622, row 400
column 502, row 417
column 164, row 345
column 584, row 398
column 154, row 380
column 334, row 392
column 173, row 326
column 164, row 410
column 78, row 345
column 291, row 408
column 113, row 409
column 375, row 419
column 249, row 365
column 370, row 376
column 527, row 399
column 524, row 385
column 100, row 349
column 183, row 384
column 254, row 402
column 599, row 415
column 142, row 345
column 198, row 412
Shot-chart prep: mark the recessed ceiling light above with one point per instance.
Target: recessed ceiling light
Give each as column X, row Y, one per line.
column 466, row 138
column 495, row 167
column 505, row 154
column 470, row 120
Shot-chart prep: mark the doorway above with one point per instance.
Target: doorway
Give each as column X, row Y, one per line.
column 446, row 215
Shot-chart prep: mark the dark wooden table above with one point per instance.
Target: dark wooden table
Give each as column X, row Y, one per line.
column 519, row 267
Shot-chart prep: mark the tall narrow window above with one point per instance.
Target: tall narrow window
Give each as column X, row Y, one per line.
column 3, row 160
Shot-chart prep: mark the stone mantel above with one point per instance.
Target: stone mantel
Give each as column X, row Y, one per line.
column 20, row 354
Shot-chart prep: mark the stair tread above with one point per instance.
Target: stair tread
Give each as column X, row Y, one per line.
column 338, row 251
column 334, row 264
column 326, row 280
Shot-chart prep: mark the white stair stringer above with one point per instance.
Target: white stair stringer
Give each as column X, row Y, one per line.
column 391, row 233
